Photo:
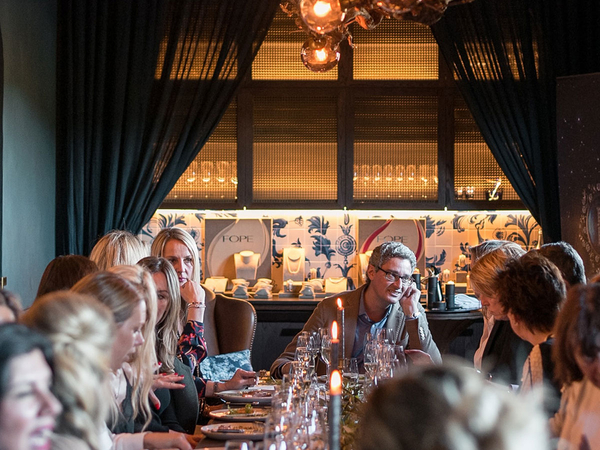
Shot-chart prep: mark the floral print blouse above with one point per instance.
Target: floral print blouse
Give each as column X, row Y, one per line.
column 191, row 350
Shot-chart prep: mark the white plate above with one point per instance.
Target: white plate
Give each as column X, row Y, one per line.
column 261, row 397
column 258, row 414
column 232, row 430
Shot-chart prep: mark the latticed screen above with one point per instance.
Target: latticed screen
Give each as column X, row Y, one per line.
column 395, row 148
column 395, row 50
column 295, row 148
column 212, row 175
column 477, row 175
column 279, row 54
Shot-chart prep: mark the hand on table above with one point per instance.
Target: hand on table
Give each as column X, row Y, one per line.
column 418, row 357
column 241, row 379
column 168, row 381
column 154, row 441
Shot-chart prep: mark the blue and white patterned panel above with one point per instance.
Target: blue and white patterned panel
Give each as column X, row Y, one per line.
column 329, row 237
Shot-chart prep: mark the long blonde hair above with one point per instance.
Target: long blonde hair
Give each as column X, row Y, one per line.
column 144, row 361
column 122, row 297
column 165, row 235
column 167, row 329
column 118, row 247
column 485, row 271
column 81, row 330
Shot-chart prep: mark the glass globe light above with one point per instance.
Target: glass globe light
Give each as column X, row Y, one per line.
column 396, row 6
column 320, row 54
column 321, row 16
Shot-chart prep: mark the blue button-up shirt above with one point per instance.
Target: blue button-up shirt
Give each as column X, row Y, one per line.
column 365, row 325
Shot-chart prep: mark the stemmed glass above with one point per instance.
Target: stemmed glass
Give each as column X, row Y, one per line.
column 326, row 352
column 314, row 346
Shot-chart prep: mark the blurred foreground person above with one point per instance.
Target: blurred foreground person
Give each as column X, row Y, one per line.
column 449, row 408
column 28, row 408
column 10, row 307
column 576, row 355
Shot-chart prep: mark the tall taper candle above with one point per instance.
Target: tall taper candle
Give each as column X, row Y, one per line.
column 341, row 321
column 335, row 410
column 335, row 344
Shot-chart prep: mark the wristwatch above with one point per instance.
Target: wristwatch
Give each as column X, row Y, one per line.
column 216, row 387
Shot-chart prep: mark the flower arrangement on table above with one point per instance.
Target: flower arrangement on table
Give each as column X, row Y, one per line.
column 353, row 397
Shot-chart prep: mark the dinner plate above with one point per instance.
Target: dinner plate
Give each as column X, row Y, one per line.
column 239, row 415
column 232, row 430
column 259, row 396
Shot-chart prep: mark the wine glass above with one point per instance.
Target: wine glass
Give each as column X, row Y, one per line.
column 326, row 352
column 351, row 369
column 391, row 335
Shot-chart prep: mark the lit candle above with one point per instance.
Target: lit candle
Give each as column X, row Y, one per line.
column 335, row 344
column 341, row 321
column 335, row 410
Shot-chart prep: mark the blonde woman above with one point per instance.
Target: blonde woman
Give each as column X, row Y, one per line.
column 81, row 331
column 503, row 353
column 118, row 247
column 183, row 400
column 128, row 306
column 179, row 248
column 446, row 408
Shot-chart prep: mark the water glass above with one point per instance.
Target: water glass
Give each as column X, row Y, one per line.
column 351, row 369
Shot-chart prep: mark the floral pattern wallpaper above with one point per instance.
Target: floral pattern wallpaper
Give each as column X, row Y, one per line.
column 330, row 237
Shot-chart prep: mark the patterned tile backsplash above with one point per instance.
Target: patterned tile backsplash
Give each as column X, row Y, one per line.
column 329, row 237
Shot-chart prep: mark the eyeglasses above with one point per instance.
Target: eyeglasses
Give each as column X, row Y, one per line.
column 393, row 277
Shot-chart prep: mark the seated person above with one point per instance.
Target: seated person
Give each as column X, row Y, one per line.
column 568, row 261
column 10, row 307
column 445, row 407
column 531, row 290
column 576, row 354
column 504, row 353
column 389, row 300
column 63, row 272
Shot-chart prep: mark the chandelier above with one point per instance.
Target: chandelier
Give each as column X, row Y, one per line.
column 326, row 22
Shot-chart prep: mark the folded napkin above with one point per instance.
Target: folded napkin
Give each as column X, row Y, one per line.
column 464, row 301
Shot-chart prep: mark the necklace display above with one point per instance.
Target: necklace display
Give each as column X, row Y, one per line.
column 246, row 264
column 293, row 264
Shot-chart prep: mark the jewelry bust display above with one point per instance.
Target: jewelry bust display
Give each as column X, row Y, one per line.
column 246, row 263
column 293, row 263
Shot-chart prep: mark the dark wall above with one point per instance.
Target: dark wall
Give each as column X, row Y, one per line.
column 578, row 132
column 29, row 38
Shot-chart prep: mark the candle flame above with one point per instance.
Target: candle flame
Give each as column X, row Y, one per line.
column 335, row 383
column 339, row 303
column 334, row 330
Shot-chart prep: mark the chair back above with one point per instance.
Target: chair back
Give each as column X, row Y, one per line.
column 229, row 324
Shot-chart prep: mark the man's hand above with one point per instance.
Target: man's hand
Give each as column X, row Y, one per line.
column 410, row 301
column 241, row 379
column 418, row 357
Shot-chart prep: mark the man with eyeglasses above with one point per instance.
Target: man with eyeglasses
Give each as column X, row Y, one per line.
column 389, row 300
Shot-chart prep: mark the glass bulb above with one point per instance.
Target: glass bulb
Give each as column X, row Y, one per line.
column 320, row 54
column 321, row 16
column 221, row 171
column 400, row 172
column 410, row 172
column 396, row 6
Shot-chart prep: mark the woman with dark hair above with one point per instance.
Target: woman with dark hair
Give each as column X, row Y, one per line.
column 576, row 355
column 63, row 272
column 28, row 408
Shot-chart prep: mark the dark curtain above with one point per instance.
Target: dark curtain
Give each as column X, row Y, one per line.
column 141, row 86
column 506, row 56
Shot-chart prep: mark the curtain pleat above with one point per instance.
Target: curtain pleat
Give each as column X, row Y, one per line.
column 506, row 56
column 141, row 86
